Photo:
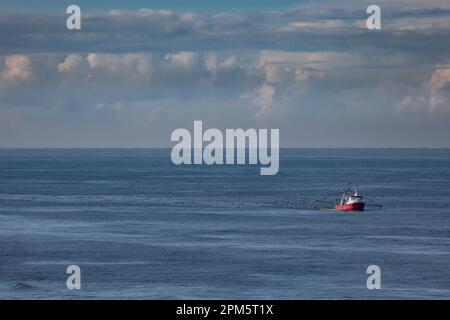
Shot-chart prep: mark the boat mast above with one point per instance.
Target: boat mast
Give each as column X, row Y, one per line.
column 343, row 195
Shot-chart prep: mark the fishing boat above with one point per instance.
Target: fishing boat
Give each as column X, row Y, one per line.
column 351, row 200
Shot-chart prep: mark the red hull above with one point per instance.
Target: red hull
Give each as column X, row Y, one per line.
column 350, row 207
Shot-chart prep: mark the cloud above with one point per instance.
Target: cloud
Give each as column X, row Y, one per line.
column 322, row 25
column 72, row 62
column 283, row 73
column 120, row 67
column 440, row 79
column 17, row 69
column 439, row 85
column 415, row 104
column 311, row 27
column 263, row 98
column 186, row 60
column 213, row 65
column 317, row 60
column 75, row 67
column 432, row 96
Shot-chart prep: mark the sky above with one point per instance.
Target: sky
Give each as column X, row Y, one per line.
column 137, row 70
column 200, row 6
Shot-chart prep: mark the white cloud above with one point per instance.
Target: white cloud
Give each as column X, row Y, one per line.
column 321, row 60
column 74, row 67
column 411, row 103
column 72, row 62
column 433, row 96
column 439, row 85
column 263, row 98
column 440, row 79
column 321, row 25
column 282, row 73
column 182, row 59
column 128, row 66
column 214, row 66
column 17, row 69
column 145, row 12
column 193, row 19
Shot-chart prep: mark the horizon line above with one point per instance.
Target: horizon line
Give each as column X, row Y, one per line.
column 334, row 147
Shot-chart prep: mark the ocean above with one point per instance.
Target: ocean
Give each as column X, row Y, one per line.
column 140, row 227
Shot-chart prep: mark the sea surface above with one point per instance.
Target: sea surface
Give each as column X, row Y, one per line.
column 140, row 227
